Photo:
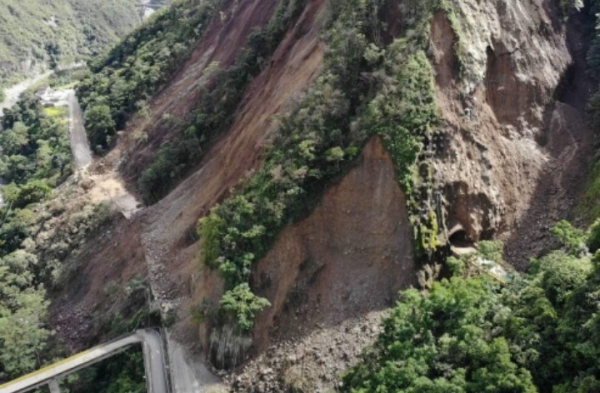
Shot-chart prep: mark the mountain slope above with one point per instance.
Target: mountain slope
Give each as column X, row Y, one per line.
column 278, row 124
column 37, row 34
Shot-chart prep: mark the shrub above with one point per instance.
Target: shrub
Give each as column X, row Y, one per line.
column 573, row 239
column 241, row 305
column 31, row 192
column 100, row 125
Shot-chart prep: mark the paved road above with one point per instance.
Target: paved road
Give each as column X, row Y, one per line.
column 154, row 361
column 13, row 92
column 82, row 155
column 79, row 142
column 189, row 375
column 154, row 364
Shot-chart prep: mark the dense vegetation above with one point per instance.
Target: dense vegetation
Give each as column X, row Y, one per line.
column 365, row 88
column 470, row 333
column 34, row 241
column 36, row 157
column 49, row 33
column 38, row 136
column 132, row 71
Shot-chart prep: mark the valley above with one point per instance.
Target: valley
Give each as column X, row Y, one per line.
column 316, row 196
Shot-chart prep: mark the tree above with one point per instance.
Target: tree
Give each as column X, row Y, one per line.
column 446, row 341
column 14, row 139
column 242, row 306
column 31, row 192
column 572, row 238
column 100, row 125
column 22, row 313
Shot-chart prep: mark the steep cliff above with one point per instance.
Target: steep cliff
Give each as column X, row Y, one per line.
column 513, row 121
column 349, row 147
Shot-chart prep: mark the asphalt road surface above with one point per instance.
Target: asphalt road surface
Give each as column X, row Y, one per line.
column 79, row 142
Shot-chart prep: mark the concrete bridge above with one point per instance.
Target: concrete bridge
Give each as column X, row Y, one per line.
column 157, row 380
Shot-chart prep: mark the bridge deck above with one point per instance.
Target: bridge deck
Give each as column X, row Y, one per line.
column 153, row 363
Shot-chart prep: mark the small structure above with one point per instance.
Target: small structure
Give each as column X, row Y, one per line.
column 50, row 97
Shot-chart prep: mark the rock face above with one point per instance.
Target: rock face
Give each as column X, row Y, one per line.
column 499, row 113
column 350, row 256
column 510, row 129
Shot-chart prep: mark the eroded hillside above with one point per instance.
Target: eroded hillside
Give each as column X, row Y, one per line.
column 330, row 150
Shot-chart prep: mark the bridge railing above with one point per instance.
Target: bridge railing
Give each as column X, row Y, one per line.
column 94, row 355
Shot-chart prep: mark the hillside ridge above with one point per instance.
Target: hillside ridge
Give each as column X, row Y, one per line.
column 301, row 162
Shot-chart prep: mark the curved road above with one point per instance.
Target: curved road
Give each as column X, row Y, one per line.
column 14, row 92
column 154, row 364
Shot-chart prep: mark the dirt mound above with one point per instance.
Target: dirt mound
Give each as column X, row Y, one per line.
column 313, row 363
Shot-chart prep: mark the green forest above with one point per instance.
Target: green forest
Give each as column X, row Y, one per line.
column 540, row 332
column 51, row 33
column 36, row 157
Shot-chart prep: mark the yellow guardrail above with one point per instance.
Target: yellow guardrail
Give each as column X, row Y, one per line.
column 70, row 359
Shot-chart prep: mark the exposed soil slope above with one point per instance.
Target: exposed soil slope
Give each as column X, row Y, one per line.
column 163, row 235
column 502, row 153
column 345, row 259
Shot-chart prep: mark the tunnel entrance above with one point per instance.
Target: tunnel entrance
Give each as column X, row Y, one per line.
column 460, row 239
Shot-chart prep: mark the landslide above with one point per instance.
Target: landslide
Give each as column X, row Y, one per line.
column 516, row 147
column 503, row 134
column 163, row 234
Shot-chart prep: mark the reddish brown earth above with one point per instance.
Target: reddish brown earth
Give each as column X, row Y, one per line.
column 97, row 282
column 162, row 236
column 504, row 152
column 347, row 258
